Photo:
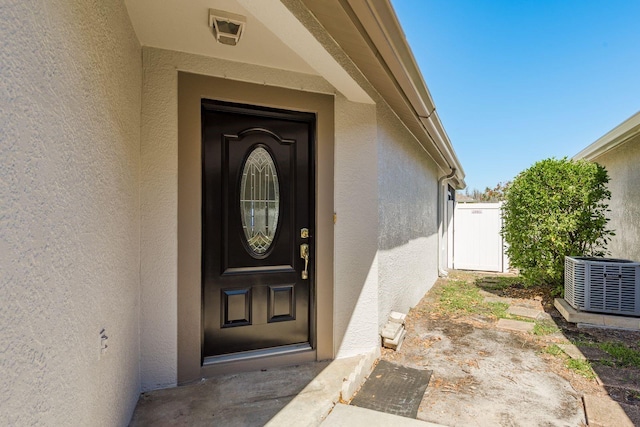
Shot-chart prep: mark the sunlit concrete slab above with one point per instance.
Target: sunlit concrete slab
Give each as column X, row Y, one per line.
column 353, row 416
column 294, row 395
column 604, row 411
column 526, row 312
column 572, row 315
column 515, row 325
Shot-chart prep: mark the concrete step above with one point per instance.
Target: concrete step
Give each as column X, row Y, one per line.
column 489, row 297
column 582, row 318
column 525, row 312
column 605, row 412
column 572, row 351
column 515, row 325
column 353, row 416
column 391, row 330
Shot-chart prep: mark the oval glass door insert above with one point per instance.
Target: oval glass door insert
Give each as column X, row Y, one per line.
column 259, row 200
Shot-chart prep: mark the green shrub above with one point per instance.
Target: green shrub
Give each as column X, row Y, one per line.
column 553, row 209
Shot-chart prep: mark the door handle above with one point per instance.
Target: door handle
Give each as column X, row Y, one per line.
column 304, row 254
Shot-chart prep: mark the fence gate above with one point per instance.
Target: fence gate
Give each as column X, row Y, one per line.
column 477, row 244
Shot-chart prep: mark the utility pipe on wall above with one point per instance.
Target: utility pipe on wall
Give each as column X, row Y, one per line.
column 441, row 214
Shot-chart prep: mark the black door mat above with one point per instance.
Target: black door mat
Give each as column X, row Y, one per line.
column 393, row 389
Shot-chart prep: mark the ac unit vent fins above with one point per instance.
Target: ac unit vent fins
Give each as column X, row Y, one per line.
column 602, row 285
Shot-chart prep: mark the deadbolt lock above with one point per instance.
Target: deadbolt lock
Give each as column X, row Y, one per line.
column 304, row 233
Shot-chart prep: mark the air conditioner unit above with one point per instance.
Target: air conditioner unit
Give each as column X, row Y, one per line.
column 603, row 285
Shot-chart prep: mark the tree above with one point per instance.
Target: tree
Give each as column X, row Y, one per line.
column 495, row 194
column 553, row 209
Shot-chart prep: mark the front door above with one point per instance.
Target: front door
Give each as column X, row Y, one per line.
column 257, row 222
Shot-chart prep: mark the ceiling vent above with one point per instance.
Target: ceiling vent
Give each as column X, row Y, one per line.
column 602, row 285
column 227, row 27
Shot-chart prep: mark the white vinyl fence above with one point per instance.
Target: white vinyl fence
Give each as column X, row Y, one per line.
column 477, row 244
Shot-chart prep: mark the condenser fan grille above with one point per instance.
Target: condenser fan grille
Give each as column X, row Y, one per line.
column 603, row 285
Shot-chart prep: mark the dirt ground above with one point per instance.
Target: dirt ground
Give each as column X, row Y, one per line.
column 485, row 376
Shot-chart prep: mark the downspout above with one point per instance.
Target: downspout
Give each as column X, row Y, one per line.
column 441, row 213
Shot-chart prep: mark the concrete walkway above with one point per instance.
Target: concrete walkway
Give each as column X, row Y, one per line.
column 352, row 416
column 600, row 411
column 295, row 395
column 302, row 395
column 311, row 394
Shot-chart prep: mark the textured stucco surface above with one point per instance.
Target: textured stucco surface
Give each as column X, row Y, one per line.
column 624, row 173
column 382, row 177
column 375, row 270
column 159, row 193
column 88, row 211
column 356, row 205
column 158, row 234
column 356, row 275
column 70, row 79
column 407, row 188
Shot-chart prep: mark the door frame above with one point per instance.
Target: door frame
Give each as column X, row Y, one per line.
column 296, row 156
column 192, row 88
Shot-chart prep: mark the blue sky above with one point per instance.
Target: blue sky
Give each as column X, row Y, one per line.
column 517, row 81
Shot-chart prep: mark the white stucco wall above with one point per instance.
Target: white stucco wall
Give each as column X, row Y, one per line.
column 407, row 189
column 356, row 206
column 382, row 178
column 622, row 164
column 70, row 79
column 355, row 293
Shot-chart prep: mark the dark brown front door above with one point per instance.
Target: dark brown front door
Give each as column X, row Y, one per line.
column 257, row 260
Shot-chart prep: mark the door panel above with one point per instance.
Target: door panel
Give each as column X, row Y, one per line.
column 257, row 196
column 477, row 243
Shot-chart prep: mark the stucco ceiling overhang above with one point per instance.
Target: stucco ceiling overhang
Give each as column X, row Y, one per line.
column 279, row 34
column 369, row 33
column 615, row 137
column 272, row 37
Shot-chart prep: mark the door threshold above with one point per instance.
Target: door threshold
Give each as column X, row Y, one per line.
column 257, row 354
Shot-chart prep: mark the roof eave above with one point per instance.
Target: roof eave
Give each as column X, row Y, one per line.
column 383, row 28
column 615, row 137
column 368, row 34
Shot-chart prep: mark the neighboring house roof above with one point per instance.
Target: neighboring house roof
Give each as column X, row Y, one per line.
column 463, row 198
column 618, row 135
column 340, row 40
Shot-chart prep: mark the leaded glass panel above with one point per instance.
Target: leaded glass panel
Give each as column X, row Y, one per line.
column 259, row 200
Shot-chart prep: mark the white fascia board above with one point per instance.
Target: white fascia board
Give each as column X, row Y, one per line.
column 384, row 29
column 392, row 44
column 434, row 127
column 277, row 18
column 618, row 135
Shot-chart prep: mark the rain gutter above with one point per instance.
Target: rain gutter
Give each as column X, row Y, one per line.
column 382, row 25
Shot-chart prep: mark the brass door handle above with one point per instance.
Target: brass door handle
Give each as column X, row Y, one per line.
column 304, row 254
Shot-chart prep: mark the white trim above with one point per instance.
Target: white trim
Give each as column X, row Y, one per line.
column 618, row 135
column 384, row 29
column 277, row 18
